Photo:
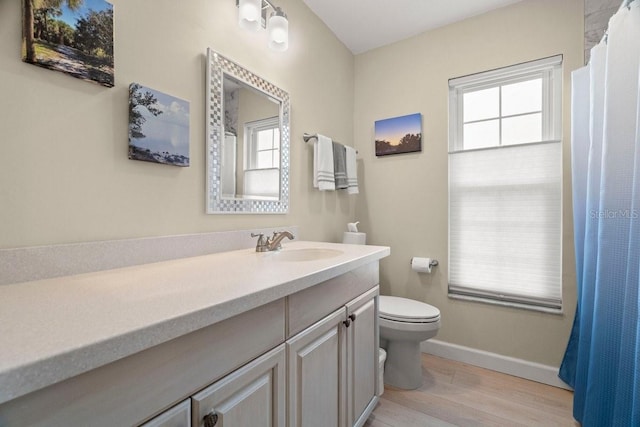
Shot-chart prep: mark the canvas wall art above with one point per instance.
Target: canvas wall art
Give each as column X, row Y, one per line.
column 399, row 135
column 158, row 127
column 71, row 36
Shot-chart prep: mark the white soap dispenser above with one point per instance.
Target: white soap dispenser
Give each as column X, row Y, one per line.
column 352, row 236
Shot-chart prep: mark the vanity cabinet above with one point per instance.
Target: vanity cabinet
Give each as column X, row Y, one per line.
column 254, row 395
column 317, row 373
column 137, row 388
column 362, row 357
column 333, row 369
column 306, row 359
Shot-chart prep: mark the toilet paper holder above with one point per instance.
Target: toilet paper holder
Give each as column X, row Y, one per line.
column 433, row 262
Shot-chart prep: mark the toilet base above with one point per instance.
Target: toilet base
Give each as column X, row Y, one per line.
column 403, row 368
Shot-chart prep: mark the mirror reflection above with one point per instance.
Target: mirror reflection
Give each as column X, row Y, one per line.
column 250, row 155
column 248, row 139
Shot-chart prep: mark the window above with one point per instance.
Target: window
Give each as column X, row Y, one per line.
column 263, row 141
column 505, row 186
column 261, row 176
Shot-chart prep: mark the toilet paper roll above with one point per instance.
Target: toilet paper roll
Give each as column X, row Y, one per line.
column 421, row 265
column 352, row 238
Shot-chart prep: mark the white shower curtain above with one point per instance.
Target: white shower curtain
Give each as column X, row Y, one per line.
column 602, row 361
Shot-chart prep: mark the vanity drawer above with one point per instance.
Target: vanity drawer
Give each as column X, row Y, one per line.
column 134, row 389
column 306, row 307
column 254, row 395
column 178, row 416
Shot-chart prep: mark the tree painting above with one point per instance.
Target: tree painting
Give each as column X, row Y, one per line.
column 158, row 127
column 72, row 36
column 399, row 135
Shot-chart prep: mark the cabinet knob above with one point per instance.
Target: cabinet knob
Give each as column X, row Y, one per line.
column 211, row 419
column 347, row 323
column 352, row 316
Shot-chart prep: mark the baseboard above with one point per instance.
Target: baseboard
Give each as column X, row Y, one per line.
column 507, row 365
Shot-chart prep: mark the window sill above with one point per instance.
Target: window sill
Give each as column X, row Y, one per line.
column 530, row 307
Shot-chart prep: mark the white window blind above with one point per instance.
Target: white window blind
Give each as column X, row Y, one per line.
column 264, row 143
column 505, row 178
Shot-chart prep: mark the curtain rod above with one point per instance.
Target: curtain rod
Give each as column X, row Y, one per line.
column 308, row 137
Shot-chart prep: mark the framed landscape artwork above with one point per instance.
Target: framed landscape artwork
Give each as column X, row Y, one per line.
column 399, row 135
column 158, row 127
column 71, row 36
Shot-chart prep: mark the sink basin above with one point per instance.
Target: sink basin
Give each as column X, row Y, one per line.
column 308, row 254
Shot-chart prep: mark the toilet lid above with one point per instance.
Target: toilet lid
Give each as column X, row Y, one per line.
column 406, row 310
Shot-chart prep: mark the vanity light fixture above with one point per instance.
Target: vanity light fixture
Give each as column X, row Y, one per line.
column 252, row 15
column 278, row 30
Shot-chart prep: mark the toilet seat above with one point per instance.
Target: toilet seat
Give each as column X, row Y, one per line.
column 405, row 310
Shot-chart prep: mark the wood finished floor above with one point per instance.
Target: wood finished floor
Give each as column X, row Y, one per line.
column 457, row 394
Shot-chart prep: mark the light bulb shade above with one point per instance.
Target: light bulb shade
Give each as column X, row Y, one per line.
column 250, row 14
column 278, row 31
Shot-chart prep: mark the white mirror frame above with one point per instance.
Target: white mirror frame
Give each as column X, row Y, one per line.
column 217, row 67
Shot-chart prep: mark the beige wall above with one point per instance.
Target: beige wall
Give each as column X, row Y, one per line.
column 404, row 198
column 65, row 176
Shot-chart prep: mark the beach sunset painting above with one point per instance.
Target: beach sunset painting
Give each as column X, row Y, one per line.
column 399, row 135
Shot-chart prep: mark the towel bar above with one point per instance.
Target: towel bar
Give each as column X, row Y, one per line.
column 307, row 137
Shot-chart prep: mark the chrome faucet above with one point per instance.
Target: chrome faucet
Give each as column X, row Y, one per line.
column 271, row 244
column 274, row 243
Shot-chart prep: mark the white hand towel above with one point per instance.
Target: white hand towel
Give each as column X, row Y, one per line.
column 352, row 171
column 323, row 177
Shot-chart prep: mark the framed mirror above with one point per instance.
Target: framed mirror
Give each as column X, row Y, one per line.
column 247, row 141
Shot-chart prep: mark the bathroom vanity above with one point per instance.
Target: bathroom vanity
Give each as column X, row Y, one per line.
column 285, row 338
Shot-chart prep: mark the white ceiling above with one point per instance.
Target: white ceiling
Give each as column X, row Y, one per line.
column 363, row 25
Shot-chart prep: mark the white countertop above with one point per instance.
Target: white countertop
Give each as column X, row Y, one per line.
column 53, row 329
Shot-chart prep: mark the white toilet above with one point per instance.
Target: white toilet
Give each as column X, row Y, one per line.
column 404, row 324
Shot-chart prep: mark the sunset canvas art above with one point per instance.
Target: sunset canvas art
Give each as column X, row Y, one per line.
column 399, row 135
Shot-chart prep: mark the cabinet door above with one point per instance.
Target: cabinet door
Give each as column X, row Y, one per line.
column 178, row 416
column 254, row 395
column 362, row 354
column 317, row 383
